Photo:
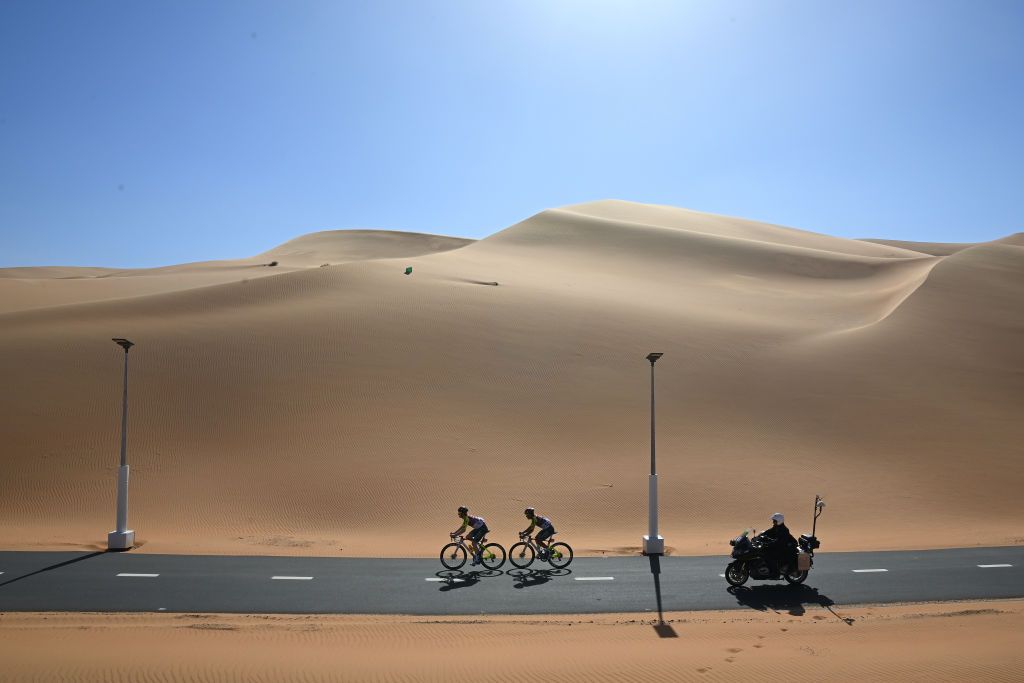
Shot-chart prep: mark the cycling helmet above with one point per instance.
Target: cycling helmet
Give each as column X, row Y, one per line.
column 778, row 518
column 463, row 509
column 528, row 512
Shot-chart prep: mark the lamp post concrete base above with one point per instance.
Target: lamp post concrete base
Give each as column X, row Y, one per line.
column 121, row 540
column 654, row 546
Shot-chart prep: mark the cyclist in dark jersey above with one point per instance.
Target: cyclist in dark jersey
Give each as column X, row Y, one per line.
column 547, row 530
column 476, row 535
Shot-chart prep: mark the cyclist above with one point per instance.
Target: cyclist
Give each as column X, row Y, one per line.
column 547, row 530
column 476, row 536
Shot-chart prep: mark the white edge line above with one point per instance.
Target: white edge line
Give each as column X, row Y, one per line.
column 862, row 571
column 292, row 578
column 983, row 566
column 721, row 576
column 437, row 579
column 595, row 578
column 141, row 576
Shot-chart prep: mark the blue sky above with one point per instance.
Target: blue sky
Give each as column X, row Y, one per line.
column 144, row 133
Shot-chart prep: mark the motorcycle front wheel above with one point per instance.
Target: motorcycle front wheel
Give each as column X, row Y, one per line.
column 795, row 576
column 736, row 574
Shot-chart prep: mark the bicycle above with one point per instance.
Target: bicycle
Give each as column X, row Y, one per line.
column 522, row 554
column 455, row 554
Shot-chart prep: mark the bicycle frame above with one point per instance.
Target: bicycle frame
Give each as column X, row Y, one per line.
column 461, row 540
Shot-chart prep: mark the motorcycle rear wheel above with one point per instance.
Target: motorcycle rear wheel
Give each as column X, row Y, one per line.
column 736, row 574
column 795, row 576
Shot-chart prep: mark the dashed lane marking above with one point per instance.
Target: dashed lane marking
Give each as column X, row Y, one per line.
column 595, row 578
column 721, row 576
column 139, row 576
column 983, row 566
column 434, row 578
column 292, row 578
column 863, row 571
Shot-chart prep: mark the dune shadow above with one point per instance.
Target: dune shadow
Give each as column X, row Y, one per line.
column 784, row 598
column 527, row 578
column 65, row 563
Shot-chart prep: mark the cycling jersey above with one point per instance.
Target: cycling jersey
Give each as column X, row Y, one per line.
column 475, row 522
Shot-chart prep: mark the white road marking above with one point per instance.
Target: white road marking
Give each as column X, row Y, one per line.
column 436, row 579
column 140, row 576
column 862, row 571
column 595, row 578
column 292, row 578
column 161, row 609
column 722, row 576
column 983, row 566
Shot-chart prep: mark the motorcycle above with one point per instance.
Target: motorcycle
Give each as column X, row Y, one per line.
column 749, row 556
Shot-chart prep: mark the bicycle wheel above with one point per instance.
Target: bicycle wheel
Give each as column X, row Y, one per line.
column 453, row 555
column 493, row 556
column 559, row 555
column 521, row 555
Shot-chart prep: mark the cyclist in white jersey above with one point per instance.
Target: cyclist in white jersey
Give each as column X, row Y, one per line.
column 476, row 536
column 547, row 530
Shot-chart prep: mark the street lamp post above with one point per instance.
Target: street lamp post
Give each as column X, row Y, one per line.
column 654, row 544
column 122, row 538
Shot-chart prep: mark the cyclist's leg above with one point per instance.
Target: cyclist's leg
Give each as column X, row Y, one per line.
column 544, row 538
column 475, row 539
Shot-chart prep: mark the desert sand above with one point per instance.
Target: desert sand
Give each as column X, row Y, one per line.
column 332, row 405
column 947, row 642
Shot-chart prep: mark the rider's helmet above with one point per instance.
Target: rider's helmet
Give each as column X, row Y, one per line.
column 463, row 510
column 528, row 512
column 778, row 518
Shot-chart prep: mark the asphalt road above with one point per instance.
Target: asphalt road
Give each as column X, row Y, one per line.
column 128, row 582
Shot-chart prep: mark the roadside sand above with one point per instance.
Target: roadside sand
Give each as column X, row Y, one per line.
column 348, row 409
column 934, row 642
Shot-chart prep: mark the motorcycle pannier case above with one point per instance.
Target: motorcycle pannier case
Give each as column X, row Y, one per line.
column 803, row 562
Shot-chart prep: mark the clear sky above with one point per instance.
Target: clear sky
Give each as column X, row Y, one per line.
column 149, row 133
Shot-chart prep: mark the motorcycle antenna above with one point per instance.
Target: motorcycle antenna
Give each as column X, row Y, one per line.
column 819, row 505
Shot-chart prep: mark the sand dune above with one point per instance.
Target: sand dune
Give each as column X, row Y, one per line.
column 906, row 643
column 23, row 288
column 348, row 409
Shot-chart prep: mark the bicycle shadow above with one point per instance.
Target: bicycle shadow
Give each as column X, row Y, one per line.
column 456, row 578
column 528, row 578
column 784, row 597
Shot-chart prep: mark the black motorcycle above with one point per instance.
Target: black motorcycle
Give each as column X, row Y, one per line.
column 749, row 556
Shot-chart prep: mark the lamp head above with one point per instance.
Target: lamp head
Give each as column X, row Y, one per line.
column 123, row 343
column 654, row 356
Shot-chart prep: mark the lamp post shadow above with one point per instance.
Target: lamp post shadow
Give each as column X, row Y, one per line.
column 661, row 628
column 65, row 563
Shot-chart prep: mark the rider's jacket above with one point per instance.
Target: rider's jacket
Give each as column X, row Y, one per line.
column 473, row 521
column 780, row 532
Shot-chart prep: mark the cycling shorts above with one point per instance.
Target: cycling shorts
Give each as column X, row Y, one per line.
column 477, row 535
column 545, row 534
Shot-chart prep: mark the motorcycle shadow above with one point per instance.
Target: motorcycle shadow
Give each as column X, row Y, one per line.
column 781, row 597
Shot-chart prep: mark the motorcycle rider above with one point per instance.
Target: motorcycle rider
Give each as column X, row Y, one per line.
column 779, row 544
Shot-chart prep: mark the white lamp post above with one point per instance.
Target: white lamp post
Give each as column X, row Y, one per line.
column 654, row 544
column 122, row 538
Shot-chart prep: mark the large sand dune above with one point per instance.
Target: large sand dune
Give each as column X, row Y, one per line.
column 349, row 408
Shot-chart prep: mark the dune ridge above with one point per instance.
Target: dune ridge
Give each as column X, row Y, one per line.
column 349, row 409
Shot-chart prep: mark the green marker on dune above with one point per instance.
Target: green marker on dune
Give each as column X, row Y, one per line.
column 408, row 270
